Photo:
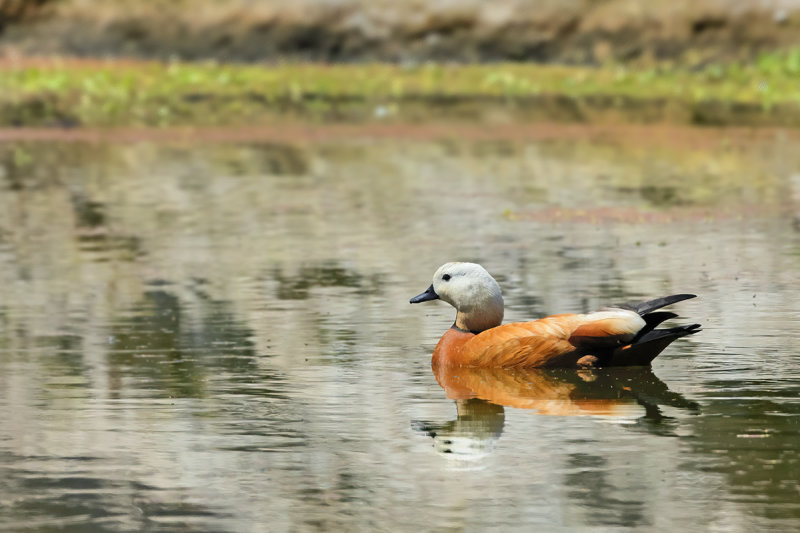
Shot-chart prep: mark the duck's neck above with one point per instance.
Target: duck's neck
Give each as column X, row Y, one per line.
column 480, row 319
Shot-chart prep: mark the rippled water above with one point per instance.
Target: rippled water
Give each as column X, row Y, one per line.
column 216, row 336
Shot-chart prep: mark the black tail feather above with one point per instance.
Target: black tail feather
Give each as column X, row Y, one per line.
column 649, row 341
column 652, row 320
column 642, row 308
column 642, row 351
column 675, row 333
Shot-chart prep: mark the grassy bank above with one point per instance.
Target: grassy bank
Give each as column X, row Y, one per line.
column 96, row 93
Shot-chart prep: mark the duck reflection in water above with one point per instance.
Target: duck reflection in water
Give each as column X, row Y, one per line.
column 481, row 395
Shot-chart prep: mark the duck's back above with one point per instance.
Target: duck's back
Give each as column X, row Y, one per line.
column 554, row 341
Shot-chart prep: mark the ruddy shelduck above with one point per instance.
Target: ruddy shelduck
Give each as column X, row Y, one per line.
column 623, row 335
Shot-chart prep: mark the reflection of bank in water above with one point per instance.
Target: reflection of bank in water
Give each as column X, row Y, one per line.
column 481, row 394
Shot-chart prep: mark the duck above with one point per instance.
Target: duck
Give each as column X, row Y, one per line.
column 620, row 335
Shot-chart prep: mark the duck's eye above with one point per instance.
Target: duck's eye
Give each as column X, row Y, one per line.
column 446, row 277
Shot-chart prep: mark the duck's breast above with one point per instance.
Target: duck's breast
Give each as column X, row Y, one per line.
column 449, row 350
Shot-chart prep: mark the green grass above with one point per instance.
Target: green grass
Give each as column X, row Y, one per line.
column 109, row 94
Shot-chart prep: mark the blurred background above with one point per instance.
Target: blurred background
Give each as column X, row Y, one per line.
column 213, row 214
column 571, row 31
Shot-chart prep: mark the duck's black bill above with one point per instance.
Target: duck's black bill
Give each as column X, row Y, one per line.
column 429, row 294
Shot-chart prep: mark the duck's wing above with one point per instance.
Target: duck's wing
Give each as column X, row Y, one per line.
column 609, row 328
column 557, row 341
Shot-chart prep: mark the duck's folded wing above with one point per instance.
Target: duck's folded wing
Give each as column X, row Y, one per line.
column 528, row 352
column 553, row 341
column 607, row 329
column 521, row 344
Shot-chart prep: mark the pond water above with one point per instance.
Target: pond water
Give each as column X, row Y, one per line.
column 213, row 334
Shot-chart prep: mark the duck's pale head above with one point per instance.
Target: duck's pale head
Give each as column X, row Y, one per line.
column 471, row 290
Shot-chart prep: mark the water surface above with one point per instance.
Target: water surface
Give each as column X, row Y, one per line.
column 214, row 335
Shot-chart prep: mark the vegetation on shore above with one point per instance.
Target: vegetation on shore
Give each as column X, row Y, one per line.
column 98, row 93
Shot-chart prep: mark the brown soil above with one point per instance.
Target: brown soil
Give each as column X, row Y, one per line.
column 574, row 31
column 629, row 134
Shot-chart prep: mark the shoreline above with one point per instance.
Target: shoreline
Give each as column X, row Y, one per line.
column 684, row 136
column 70, row 92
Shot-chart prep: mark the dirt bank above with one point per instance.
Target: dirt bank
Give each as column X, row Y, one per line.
column 571, row 31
